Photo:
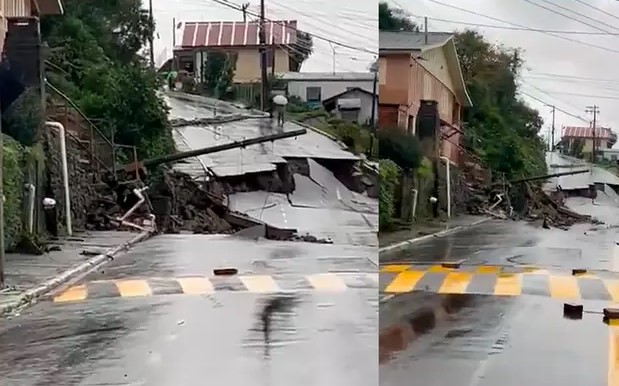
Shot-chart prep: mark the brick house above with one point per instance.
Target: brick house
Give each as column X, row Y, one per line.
column 415, row 66
column 241, row 41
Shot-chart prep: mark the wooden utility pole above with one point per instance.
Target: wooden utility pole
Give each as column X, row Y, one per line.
column 595, row 110
column 552, row 132
column 173, row 43
column 373, row 116
column 151, row 39
column 263, row 60
column 244, row 9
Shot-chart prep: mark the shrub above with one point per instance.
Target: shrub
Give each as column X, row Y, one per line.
column 388, row 178
column 401, row 148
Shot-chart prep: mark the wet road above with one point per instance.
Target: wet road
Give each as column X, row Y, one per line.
column 498, row 317
column 159, row 316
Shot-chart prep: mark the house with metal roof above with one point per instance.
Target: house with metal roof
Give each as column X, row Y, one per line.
column 316, row 87
column 418, row 66
column 240, row 41
column 578, row 141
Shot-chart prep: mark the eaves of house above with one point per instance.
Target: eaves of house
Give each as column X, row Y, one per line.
column 417, row 43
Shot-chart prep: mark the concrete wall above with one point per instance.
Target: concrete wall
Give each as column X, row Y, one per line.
column 329, row 88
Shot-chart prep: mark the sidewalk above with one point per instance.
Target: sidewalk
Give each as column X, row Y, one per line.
column 29, row 276
column 420, row 231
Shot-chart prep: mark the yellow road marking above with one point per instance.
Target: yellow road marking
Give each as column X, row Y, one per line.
column 72, row 294
column 613, row 289
column 132, row 288
column 405, row 281
column 613, row 356
column 508, row 285
column 260, row 283
column 488, row 270
column 394, row 268
column 440, row 269
column 327, row 282
column 455, row 283
column 195, row 285
column 564, row 287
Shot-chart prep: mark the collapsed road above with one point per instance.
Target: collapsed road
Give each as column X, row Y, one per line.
column 162, row 315
column 506, row 303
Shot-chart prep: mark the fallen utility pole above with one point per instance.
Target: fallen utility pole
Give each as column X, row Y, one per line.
column 212, row 149
column 547, row 176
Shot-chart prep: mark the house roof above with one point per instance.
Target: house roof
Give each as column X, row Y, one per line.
column 336, row 97
column 415, row 42
column 237, row 33
column 405, row 41
column 586, row 132
column 327, row 76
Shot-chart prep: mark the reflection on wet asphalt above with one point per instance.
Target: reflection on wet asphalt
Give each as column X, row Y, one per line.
column 482, row 340
column 214, row 336
column 157, row 316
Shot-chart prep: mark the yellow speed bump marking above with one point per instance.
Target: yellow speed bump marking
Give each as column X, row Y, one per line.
column 394, row 268
column 564, row 287
column 508, row 285
column 613, row 356
column 73, row 294
column 133, row 288
column 327, row 282
column 195, row 285
column 455, row 283
column 260, row 284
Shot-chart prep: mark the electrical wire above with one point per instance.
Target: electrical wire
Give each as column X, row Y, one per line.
column 594, row 26
column 523, row 26
column 556, row 108
column 597, row 9
column 524, row 29
column 239, row 8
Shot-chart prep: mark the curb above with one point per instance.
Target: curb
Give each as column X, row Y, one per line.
column 399, row 336
column 406, row 243
column 30, row 296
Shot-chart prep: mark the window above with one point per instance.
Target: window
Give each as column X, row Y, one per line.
column 313, row 94
column 270, row 53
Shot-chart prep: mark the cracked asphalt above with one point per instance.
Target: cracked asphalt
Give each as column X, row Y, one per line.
column 159, row 316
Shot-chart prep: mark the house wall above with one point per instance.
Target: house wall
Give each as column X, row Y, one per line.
column 405, row 81
column 17, row 8
column 365, row 113
column 247, row 64
column 329, row 88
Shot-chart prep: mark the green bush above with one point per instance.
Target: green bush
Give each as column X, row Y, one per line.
column 13, row 179
column 400, row 147
column 388, row 177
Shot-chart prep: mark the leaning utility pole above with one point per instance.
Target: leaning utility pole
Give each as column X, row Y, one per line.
column 373, row 119
column 151, row 39
column 263, row 60
column 595, row 110
column 552, row 132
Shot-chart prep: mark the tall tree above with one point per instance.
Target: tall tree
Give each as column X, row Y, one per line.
column 392, row 19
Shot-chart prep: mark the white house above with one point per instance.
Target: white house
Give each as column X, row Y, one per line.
column 353, row 105
column 315, row 87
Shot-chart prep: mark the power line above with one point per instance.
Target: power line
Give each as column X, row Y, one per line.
column 558, row 109
column 523, row 26
column 611, row 97
column 239, row 8
column 597, row 9
column 524, row 29
column 570, row 17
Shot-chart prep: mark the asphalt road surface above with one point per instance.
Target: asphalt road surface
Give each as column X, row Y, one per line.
column 496, row 317
column 159, row 316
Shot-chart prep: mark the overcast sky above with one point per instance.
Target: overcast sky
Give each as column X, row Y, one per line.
column 353, row 22
column 575, row 68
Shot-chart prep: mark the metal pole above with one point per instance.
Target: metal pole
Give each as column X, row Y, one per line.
column 151, row 38
column 552, row 133
column 373, row 122
column 2, row 283
column 263, row 60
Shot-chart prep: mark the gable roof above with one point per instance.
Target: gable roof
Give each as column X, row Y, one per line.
column 335, row 97
column 415, row 42
column 237, row 33
column 405, row 41
column 586, row 132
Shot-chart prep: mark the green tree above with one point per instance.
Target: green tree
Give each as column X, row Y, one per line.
column 96, row 60
column 501, row 128
column 392, row 19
